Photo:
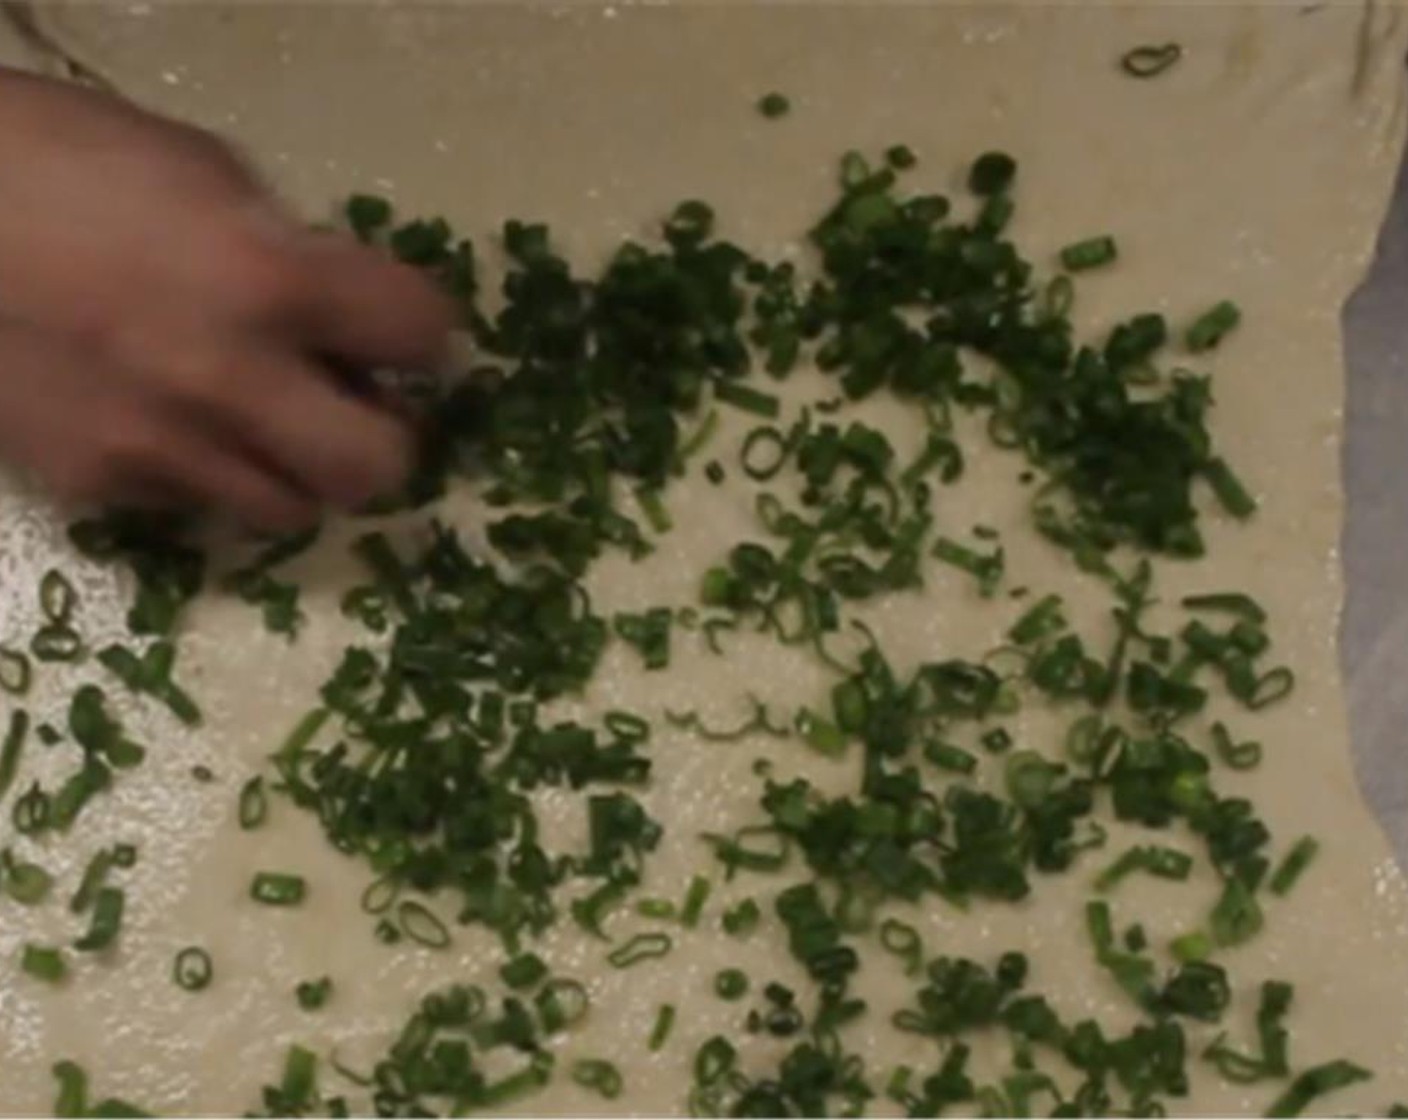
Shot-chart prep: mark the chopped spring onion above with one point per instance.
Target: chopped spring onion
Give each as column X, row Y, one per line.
column 11, row 748
column 1210, row 327
column 108, row 905
column 43, row 963
column 421, row 924
column 664, row 1023
column 641, row 947
column 741, row 919
column 1314, row 1083
column 56, row 642
column 694, row 900
column 15, row 671
column 561, row 1003
column 1301, row 855
column 731, row 984
column 774, row 105
column 1091, row 253
column 1151, row 60
column 275, row 888
column 192, row 969
column 904, row 941
column 56, row 596
column 525, row 971
column 747, row 399
column 599, row 1076
column 253, row 804
column 313, row 994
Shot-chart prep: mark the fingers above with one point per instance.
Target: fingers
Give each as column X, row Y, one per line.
column 175, row 465
column 75, row 420
column 364, row 306
column 288, row 414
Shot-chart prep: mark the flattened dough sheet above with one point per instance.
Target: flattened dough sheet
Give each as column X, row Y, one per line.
column 1256, row 170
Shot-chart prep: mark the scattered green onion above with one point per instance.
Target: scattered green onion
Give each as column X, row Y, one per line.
column 731, row 984
column 275, row 888
column 312, row 995
column 253, row 804
column 641, row 947
column 1300, row 857
column 599, row 1076
column 192, row 969
column 43, row 963
column 1091, row 253
column 664, row 1023
column 421, row 924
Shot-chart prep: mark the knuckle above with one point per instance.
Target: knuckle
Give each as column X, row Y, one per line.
column 130, row 444
column 207, row 154
column 265, row 282
column 376, row 468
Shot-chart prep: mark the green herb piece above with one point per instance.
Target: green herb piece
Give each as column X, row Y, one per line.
column 312, row 995
column 1195, row 946
column 150, row 673
column 731, row 984
column 1237, row 916
column 746, row 399
column 694, row 900
column 56, row 642
column 275, row 888
column 664, row 1024
column 1273, row 1037
column 661, row 909
column 12, row 748
column 73, row 1089
column 1212, row 326
column 900, row 157
column 421, row 924
column 105, row 922
column 27, row 883
column 253, row 804
column 641, row 947
column 192, row 969
column 948, row 757
column 1166, row 863
column 986, row 568
column 1288, row 874
column 94, row 874
column 1238, row 756
column 648, row 633
column 1151, row 60
column 741, row 919
column 525, row 971
column 904, row 941
column 15, row 672
column 561, row 1003
column 57, row 597
column 43, row 963
column 1090, row 253
column 991, row 174
column 599, row 1076
column 31, row 811
column 1235, row 603
column 1314, row 1083
column 774, row 105
column 367, row 215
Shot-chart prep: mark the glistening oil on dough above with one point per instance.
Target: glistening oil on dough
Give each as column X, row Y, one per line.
column 1257, row 170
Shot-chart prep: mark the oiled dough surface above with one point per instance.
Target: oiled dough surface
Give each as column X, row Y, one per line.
column 1256, row 170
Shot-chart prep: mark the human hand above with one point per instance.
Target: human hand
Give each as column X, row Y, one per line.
column 163, row 321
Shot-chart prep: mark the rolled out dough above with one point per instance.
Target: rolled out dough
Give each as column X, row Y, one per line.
column 1256, row 170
